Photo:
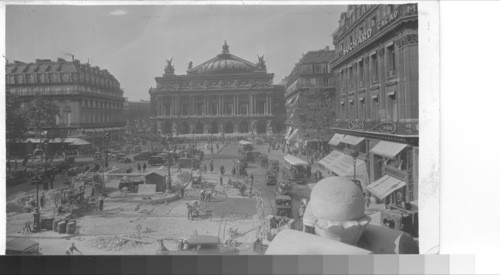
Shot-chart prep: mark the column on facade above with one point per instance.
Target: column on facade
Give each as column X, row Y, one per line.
column 234, row 105
column 250, row 104
column 270, row 105
column 237, row 107
column 218, row 106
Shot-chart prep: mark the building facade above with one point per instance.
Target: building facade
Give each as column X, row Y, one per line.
column 376, row 74
column 137, row 115
column 90, row 99
column 225, row 95
column 310, row 74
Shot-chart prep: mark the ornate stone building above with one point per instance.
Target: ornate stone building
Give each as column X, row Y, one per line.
column 311, row 73
column 224, row 95
column 376, row 74
column 90, row 99
column 137, row 115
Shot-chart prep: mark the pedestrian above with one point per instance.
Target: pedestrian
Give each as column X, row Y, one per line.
column 205, row 168
column 182, row 192
column 144, row 167
column 211, row 167
column 233, row 171
column 320, row 176
column 217, row 146
column 138, row 167
column 302, row 209
column 202, row 195
column 71, row 250
column 42, row 200
column 220, row 179
column 251, row 177
column 32, row 202
column 308, row 171
column 101, row 202
column 208, row 197
column 316, row 175
column 222, row 170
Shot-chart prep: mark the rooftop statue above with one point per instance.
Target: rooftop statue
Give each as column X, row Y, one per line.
column 261, row 64
column 336, row 212
column 169, row 69
column 190, row 65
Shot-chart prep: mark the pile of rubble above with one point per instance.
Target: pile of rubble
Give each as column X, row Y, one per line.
column 113, row 243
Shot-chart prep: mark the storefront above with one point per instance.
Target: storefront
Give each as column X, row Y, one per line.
column 344, row 165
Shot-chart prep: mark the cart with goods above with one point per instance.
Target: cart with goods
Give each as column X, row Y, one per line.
column 271, row 177
column 275, row 165
column 263, row 161
column 284, row 206
column 285, row 188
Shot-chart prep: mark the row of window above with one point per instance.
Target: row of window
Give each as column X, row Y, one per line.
column 357, row 75
column 60, row 78
column 100, row 118
column 102, row 104
column 227, row 109
column 352, row 18
column 367, row 108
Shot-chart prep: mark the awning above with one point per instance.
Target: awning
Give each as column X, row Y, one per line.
column 352, row 140
column 384, row 186
column 78, row 142
column 336, row 139
column 387, row 149
column 293, row 160
column 293, row 134
column 343, row 166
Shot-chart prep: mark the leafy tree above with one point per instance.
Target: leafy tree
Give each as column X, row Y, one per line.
column 16, row 123
column 313, row 114
column 41, row 117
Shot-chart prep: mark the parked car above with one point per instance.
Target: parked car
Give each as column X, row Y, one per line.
column 22, row 246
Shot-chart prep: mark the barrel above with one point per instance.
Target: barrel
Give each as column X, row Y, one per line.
column 61, row 227
column 54, row 224
column 71, row 227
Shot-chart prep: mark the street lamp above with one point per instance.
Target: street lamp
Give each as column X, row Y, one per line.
column 169, row 178
column 354, row 155
column 106, row 140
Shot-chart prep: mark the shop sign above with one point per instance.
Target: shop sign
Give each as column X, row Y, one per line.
column 387, row 20
column 362, row 37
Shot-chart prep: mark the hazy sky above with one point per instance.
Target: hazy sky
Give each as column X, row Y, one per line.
column 132, row 42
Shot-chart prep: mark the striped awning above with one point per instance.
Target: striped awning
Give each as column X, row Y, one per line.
column 336, row 139
column 385, row 186
column 387, row 149
column 352, row 140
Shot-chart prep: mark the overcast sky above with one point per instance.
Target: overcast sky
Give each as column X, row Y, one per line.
column 132, row 42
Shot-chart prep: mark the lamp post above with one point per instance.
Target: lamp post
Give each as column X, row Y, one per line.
column 106, row 140
column 36, row 213
column 354, row 155
column 169, row 178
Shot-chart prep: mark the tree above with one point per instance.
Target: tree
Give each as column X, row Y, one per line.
column 41, row 117
column 16, row 123
column 313, row 114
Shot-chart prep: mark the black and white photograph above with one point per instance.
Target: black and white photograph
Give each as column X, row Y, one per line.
column 219, row 130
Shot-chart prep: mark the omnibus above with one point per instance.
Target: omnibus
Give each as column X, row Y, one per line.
column 296, row 169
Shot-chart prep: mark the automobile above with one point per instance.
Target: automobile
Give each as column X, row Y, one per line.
column 22, row 246
column 275, row 165
column 188, row 162
column 143, row 155
column 156, row 160
column 271, row 177
column 245, row 146
column 296, row 169
column 285, row 188
column 283, row 206
column 125, row 160
column 204, row 245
